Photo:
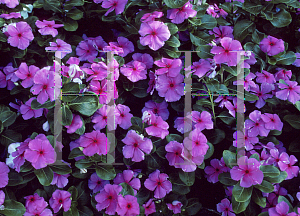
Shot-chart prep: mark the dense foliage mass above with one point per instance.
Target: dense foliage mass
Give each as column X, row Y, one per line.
column 128, row 146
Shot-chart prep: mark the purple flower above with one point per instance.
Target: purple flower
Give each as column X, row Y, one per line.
column 48, row 27
column 247, row 172
column 271, row 45
column 224, row 100
column 201, row 67
column 221, row 32
column 19, row 35
column 126, row 45
column 60, row 181
column 160, row 109
column 43, row 83
column 108, row 198
column 182, row 124
column 225, row 207
column 40, row 152
column 75, row 124
column 11, row 15
column 60, row 199
column 136, row 146
column 127, row 205
column 286, row 165
column 36, row 205
column 154, row 34
column 10, row 3
column 236, row 107
column 170, row 67
column 297, row 61
column 149, row 207
column 247, row 83
column 214, row 170
column 144, row 58
column 28, row 113
column 203, row 120
column 175, row 206
column 262, row 94
column 158, row 181
column 128, row 177
column 158, row 128
column 148, row 17
column 94, row 142
column 123, row 117
column 244, row 140
column 291, row 91
column 174, row 150
column 197, row 142
column 117, row 5
column 100, row 118
column 272, row 121
column 2, row 197
column 171, row 88
column 134, row 71
column 281, row 209
column 265, row 77
column 151, row 83
column 26, row 74
column 283, row 74
column 178, row 15
column 96, row 184
column 190, row 161
column 256, row 125
column 225, row 53
column 60, row 45
column 3, row 174
column 86, row 51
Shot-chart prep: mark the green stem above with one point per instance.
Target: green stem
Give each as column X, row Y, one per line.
column 212, row 104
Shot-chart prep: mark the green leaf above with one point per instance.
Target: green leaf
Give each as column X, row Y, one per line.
column 294, row 146
column 229, row 158
column 208, row 21
column 287, row 59
column 13, row 208
column 73, row 192
column 53, row 5
column 281, row 19
column 127, row 189
column 70, row 4
column 70, row 24
column 174, row 137
column 3, row 37
column 252, row 7
column 153, row 161
column 175, row 3
column 173, row 52
column 200, row 39
column 226, row 179
column 83, row 163
column 226, row 118
column 256, row 156
column 1, row 127
column 36, row 105
column 204, row 51
column 210, row 151
column 270, row 171
column 178, row 187
column 241, row 194
column 257, row 36
column 85, row 211
column 173, row 42
column 161, row 152
column 142, row 195
column 231, row 70
column 265, row 187
column 10, row 136
column 239, row 207
column 14, row 179
column 73, row 211
column 193, row 206
column 249, row 97
column 61, row 169
column 242, row 28
column 44, row 175
column 293, row 120
column 282, row 198
column 87, row 105
column 75, row 14
column 195, row 21
column 187, row 177
column 264, row 214
column 67, row 115
column 172, row 28
column 215, row 136
column 137, row 121
column 7, row 117
column 17, row 53
column 106, row 172
column 258, row 198
column 83, row 196
column 268, row 15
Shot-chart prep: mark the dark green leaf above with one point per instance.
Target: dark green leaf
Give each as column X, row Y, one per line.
column 75, row 14
column 44, row 175
column 7, row 117
column 258, row 198
column 173, row 42
column 10, row 136
column 226, row 179
column 210, row 151
column 87, row 105
column 173, row 52
column 293, row 120
column 175, row 3
column 193, row 206
column 70, row 24
column 281, row 19
column 265, row 187
column 61, row 169
column 127, row 189
column 137, row 121
column 143, row 195
column 242, row 28
column 67, row 115
column 187, row 177
column 106, row 172
column 172, row 28
column 226, row 118
column 208, row 21
column 140, row 93
column 14, row 179
column 229, row 158
column 53, row 5
column 204, row 51
column 282, row 198
column 85, row 211
column 3, row 38
column 252, row 7
column 70, row 4
column 239, row 207
column 13, row 208
column 174, row 137
column 241, row 194
column 287, row 59
column 83, row 163
column 270, row 171
column 73, row 192
column 294, row 146
column 36, row 105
